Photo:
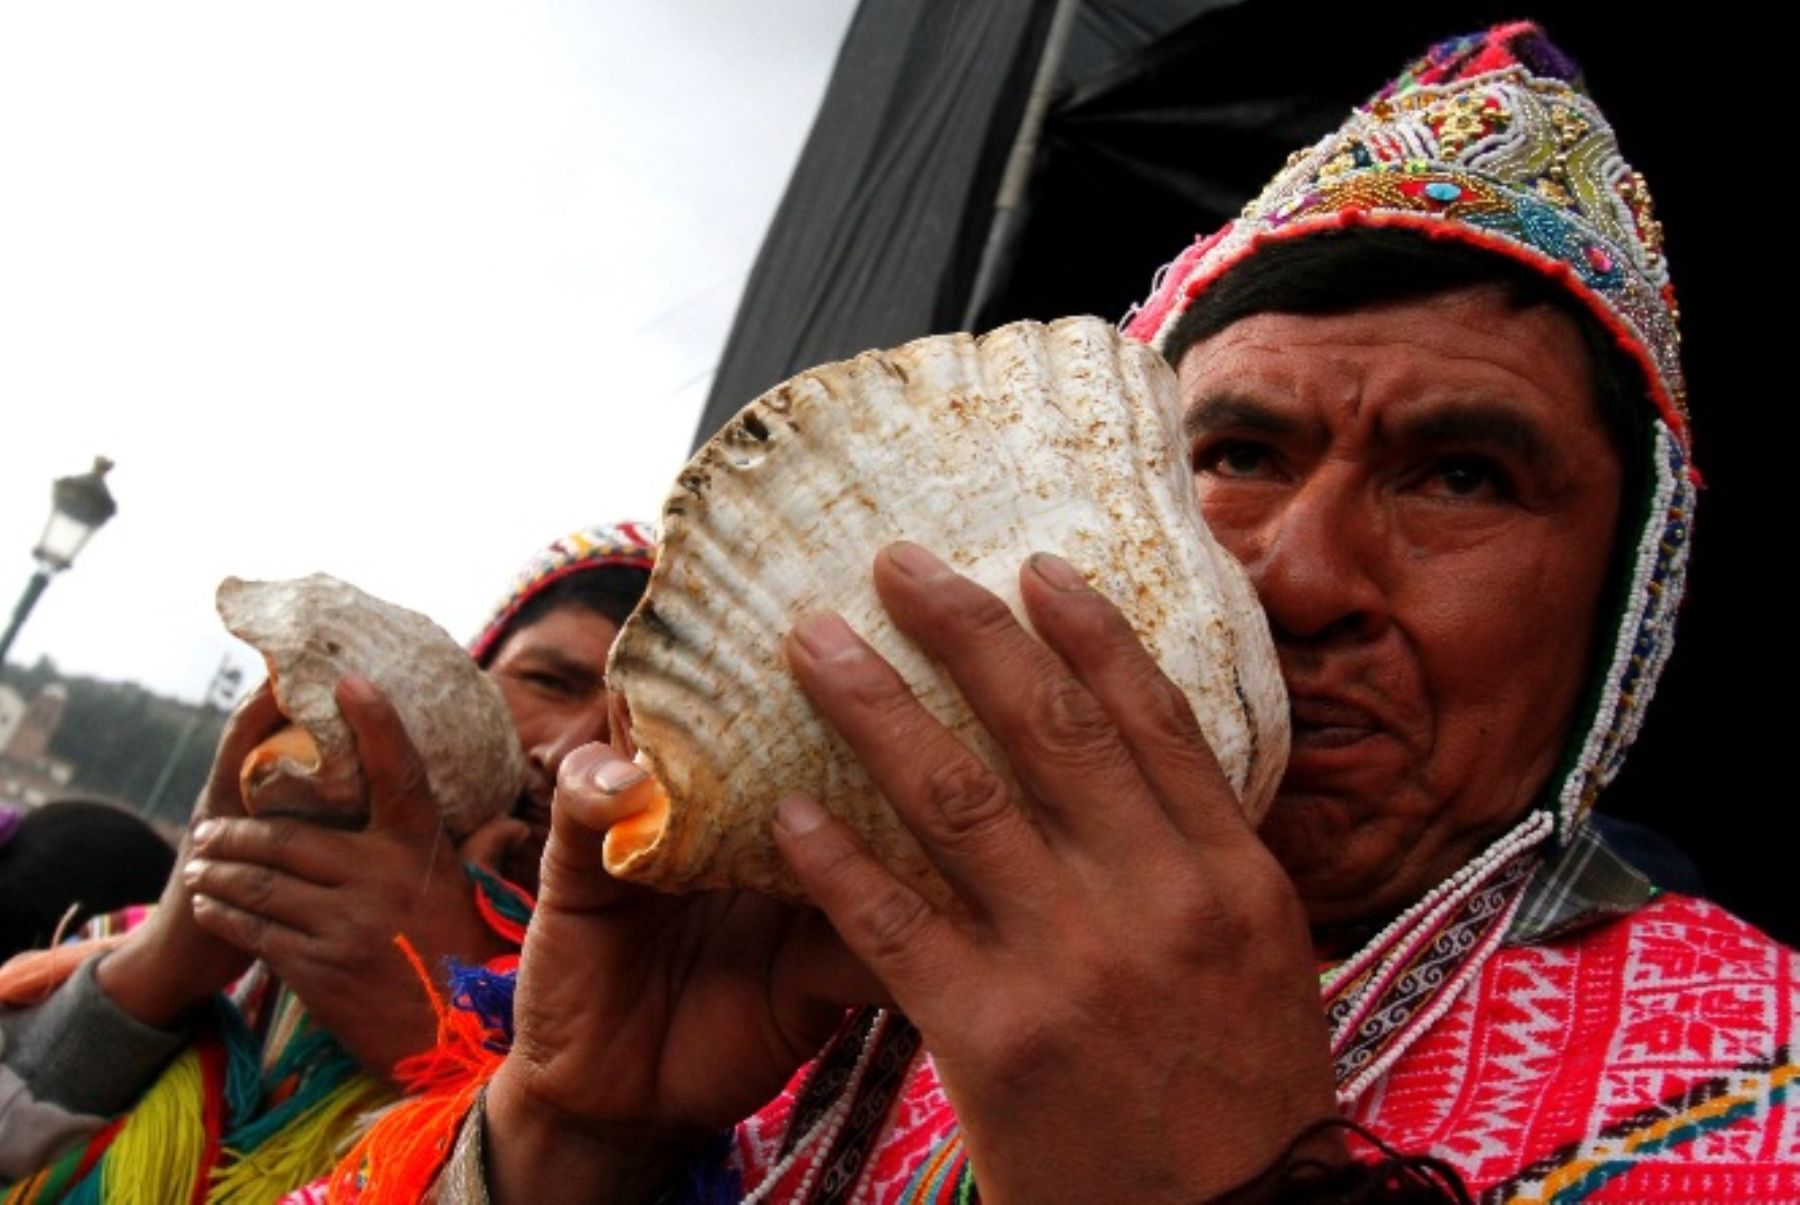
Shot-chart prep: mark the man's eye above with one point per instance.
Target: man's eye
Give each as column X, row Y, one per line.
column 1467, row 477
column 1233, row 458
column 552, row 683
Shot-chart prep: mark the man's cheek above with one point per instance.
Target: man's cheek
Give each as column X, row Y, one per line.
column 1236, row 519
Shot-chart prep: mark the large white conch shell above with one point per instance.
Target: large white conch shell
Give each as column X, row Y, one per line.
column 1062, row 438
column 312, row 631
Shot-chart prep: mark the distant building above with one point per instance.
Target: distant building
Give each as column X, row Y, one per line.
column 30, row 740
column 28, row 774
column 12, row 710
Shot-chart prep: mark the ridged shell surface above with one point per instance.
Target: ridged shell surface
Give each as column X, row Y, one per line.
column 314, row 630
column 1062, row 438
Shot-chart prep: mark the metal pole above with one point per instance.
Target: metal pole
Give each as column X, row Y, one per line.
column 1003, row 232
column 33, row 589
column 227, row 675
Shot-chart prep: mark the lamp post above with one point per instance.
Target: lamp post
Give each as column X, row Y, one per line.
column 78, row 507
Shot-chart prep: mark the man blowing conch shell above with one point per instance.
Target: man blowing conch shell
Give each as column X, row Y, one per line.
column 1433, row 403
column 342, row 806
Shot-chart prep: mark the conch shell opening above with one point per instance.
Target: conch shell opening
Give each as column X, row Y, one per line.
column 637, row 834
column 291, row 753
column 1062, row 438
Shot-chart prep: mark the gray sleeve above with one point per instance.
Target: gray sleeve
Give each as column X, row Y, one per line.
column 33, row 1131
column 81, row 1051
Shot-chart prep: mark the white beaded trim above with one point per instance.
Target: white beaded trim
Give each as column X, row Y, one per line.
column 1649, row 613
column 1529, row 832
column 1419, row 924
column 1440, row 1004
column 825, row 1130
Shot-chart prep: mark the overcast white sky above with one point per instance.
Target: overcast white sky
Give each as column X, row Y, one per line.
column 397, row 290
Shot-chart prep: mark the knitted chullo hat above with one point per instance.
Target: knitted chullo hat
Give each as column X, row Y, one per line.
column 1490, row 140
column 619, row 545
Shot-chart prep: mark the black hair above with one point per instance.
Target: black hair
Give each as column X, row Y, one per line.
column 1344, row 270
column 611, row 591
column 84, row 854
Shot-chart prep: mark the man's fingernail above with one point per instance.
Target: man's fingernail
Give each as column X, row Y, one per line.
column 579, row 765
column 916, row 561
column 193, row 869
column 799, row 814
column 203, row 832
column 358, row 688
column 1056, row 572
column 617, row 775
column 826, row 637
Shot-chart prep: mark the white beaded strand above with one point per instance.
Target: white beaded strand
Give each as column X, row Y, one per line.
column 825, row 1130
column 1644, row 611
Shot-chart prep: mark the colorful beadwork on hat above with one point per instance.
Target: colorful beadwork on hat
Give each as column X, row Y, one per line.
column 1490, row 140
column 627, row 545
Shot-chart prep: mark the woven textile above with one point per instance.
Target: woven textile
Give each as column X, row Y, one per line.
column 780, row 1155
column 1649, row 1053
column 1649, row 1059
column 1652, row 1057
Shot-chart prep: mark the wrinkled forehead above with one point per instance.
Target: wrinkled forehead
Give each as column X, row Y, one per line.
column 1456, row 316
column 1465, row 365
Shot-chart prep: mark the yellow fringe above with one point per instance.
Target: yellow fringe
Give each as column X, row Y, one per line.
column 155, row 1157
column 301, row 1152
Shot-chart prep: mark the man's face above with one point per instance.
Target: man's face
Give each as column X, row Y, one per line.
column 552, row 675
column 1424, row 495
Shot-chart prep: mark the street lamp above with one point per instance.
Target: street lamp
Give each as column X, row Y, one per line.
column 78, row 506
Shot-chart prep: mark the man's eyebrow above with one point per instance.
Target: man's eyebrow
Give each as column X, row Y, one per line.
column 1479, row 424
column 1218, row 411
column 546, row 656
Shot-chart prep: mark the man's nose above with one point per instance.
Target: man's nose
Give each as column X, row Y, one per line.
column 581, row 726
column 1316, row 568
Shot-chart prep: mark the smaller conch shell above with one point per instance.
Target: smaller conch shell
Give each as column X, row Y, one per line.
column 312, row 631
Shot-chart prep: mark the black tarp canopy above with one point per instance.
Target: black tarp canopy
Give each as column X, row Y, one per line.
column 881, row 234
column 1157, row 120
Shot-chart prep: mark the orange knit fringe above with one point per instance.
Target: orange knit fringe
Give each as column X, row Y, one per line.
column 398, row 1159
column 29, row 978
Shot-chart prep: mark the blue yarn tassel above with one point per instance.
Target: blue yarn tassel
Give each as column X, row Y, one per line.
column 489, row 995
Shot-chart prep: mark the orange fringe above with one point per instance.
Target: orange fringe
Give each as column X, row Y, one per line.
column 396, row 1161
column 29, row 978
